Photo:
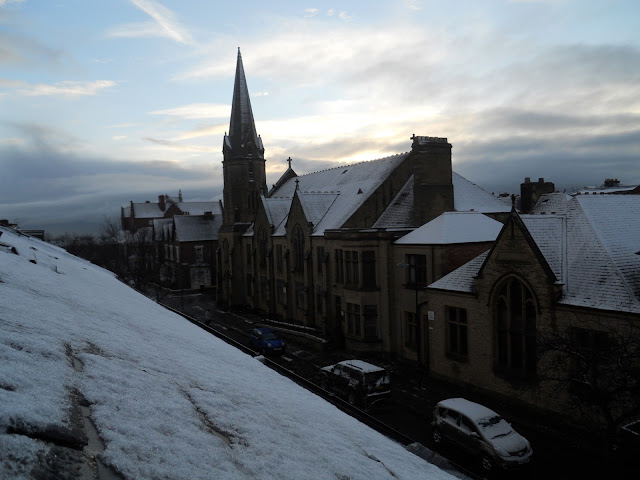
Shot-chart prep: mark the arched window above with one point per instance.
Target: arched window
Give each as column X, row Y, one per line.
column 298, row 249
column 514, row 316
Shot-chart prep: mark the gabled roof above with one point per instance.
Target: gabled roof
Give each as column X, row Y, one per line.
column 316, row 205
column 196, row 228
column 351, row 185
column 277, row 210
column 461, row 279
column 590, row 242
column 454, row 227
column 467, row 196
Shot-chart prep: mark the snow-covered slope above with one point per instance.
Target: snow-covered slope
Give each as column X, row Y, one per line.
column 168, row 400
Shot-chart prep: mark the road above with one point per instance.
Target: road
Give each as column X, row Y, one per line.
column 557, row 454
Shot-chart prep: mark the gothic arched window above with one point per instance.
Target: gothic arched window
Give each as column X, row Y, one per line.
column 298, row 249
column 514, row 316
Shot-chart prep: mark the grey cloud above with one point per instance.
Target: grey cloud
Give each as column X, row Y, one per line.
column 568, row 161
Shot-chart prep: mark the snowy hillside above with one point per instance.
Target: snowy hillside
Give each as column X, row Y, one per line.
column 167, row 399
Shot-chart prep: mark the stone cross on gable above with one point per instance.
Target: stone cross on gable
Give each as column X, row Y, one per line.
column 289, row 160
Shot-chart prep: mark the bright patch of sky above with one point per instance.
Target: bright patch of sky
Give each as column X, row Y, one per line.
column 142, row 89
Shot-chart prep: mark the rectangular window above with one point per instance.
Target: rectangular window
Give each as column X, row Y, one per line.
column 417, row 270
column 369, row 269
column 248, row 249
column 177, row 253
column 410, row 332
column 319, row 258
column 320, row 303
column 279, row 258
column 457, row 331
column 352, row 274
column 339, row 266
column 370, row 321
column 199, row 254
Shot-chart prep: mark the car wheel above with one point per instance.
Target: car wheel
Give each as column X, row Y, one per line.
column 487, row 463
column 437, row 435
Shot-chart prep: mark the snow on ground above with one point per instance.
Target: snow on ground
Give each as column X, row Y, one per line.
column 168, row 400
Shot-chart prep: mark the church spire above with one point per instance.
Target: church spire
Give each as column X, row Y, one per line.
column 243, row 140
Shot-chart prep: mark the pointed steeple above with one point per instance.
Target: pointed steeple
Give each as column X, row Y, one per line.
column 243, row 140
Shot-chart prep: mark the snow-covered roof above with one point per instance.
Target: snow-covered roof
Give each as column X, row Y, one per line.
column 591, row 243
column 167, row 400
column 461, row 279
column 199, row 208
column 197, row 228
column 153, row 210
column 467, row 196
column 454, row 227
column 351, row 185
column 277, row 210
column 399, row 213
column 474, row 411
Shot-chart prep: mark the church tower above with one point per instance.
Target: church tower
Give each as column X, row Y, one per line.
column 243, row 164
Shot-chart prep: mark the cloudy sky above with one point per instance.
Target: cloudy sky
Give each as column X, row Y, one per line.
column 107, row 101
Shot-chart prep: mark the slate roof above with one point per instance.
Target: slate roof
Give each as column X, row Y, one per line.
column 198, row 228
column 454, row 227
column 277, row 212
column 592, row 244
column 467, row 196
column 399, row 213
column 152, row 209
column 461, row 279
column 351, row 185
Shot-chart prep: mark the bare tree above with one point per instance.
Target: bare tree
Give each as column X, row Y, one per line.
column 597, row 365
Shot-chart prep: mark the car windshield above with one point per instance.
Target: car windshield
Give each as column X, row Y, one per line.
column 269, row 336
column 375, row 378
column 495, row 427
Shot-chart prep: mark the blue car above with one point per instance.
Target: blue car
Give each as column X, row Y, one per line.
column 267, row 342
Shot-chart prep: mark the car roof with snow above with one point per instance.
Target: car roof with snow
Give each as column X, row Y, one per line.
column 361, row 365
column 473, row 410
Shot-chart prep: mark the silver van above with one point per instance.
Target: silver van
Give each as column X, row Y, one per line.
column 481, row 432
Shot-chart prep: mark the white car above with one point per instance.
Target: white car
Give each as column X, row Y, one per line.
column 480, row 431
column 361, row 383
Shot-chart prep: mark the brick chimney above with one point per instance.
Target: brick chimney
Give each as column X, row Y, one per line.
column 530, row 193
column 161, row 202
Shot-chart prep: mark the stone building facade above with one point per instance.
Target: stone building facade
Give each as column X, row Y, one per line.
column 318, row 251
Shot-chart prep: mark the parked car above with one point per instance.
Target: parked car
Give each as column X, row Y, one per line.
column 267, row 341
column 480, row 431
column 360, row 383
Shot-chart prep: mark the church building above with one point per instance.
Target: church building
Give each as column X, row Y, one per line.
column 318, row 250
